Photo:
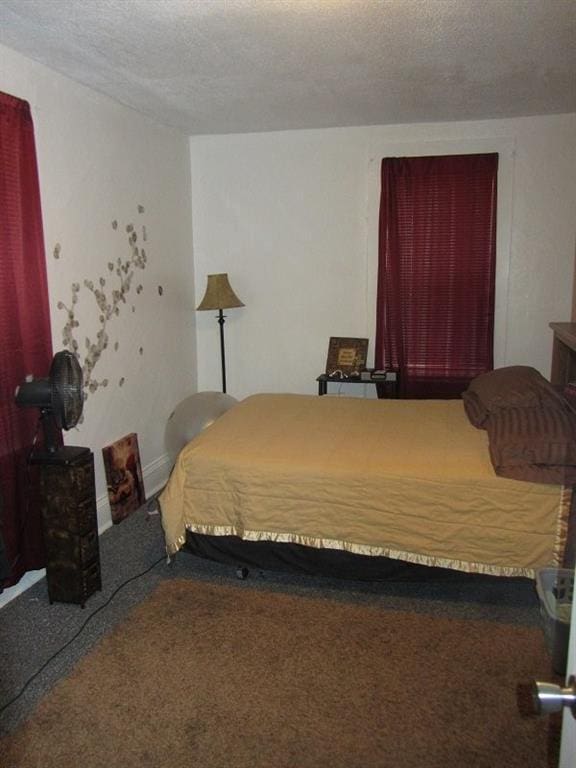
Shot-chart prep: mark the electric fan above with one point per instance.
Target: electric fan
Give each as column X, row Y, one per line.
column 59, row 397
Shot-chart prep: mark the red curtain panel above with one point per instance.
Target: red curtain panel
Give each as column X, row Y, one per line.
column 436, row 271
column 25, row 339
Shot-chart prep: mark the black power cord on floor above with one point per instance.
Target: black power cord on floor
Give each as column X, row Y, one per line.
column 82, row 627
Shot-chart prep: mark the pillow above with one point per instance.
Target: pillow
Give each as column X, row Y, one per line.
column 475, row 411
column 515, row 386
column 569, row 394
column 534, row 444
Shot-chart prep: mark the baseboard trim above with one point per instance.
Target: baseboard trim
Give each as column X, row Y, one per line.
column 27, row 581
column 155, row 476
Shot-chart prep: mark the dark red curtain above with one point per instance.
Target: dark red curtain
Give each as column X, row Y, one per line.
column 25, row 339
column 436, row 271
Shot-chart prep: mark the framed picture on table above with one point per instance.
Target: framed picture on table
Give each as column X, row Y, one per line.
column 346, row 356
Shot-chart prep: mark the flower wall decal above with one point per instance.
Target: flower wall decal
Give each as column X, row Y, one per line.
column 110, row 296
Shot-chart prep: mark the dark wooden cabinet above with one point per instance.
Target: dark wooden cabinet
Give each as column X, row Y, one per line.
column 563, row 354
column 68, row 502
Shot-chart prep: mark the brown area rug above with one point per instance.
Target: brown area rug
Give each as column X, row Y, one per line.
column 236, row 677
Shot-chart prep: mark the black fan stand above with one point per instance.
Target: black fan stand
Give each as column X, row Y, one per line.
column 51, row 452
column 49, row 430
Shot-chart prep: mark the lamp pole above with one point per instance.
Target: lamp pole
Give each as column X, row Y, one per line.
column 221, row 320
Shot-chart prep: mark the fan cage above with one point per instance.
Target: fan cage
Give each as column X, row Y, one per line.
column 67, row 394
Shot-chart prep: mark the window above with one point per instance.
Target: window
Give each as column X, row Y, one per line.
column 436, row 271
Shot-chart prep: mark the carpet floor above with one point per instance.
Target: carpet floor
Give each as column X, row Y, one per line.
column 233, row 676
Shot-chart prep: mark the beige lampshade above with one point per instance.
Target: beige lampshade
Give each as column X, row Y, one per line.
column 219, row 294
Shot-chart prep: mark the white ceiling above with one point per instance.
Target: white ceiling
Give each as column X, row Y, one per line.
column 221, row 66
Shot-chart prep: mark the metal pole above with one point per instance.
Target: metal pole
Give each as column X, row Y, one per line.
column 221, row 320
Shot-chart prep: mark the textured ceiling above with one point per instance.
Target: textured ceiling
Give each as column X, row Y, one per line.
column 221, row 66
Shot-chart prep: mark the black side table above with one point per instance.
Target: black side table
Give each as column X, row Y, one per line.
column 385, row 386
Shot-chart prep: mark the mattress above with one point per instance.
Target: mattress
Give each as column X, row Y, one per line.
column 406, row 479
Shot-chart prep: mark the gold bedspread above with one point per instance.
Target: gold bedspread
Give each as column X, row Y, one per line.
column 404, row 479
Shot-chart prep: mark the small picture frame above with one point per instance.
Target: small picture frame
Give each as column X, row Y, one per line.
column 346, row 356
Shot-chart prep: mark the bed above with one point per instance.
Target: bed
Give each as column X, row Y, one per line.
column 402, row 482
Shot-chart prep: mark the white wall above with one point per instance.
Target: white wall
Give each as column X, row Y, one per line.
column 98, row 162
column 292, row 217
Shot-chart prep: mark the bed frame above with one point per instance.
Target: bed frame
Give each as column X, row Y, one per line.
column 295, row 558
column 244, row 555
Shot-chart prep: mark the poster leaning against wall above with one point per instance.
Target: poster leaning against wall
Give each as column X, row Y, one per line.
column 124, row 477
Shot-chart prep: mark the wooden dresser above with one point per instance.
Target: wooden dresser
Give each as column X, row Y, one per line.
column 563, row 353
column 562, row 372
column 68, row 503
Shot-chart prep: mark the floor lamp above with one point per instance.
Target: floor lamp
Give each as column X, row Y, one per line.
column 219, row 295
